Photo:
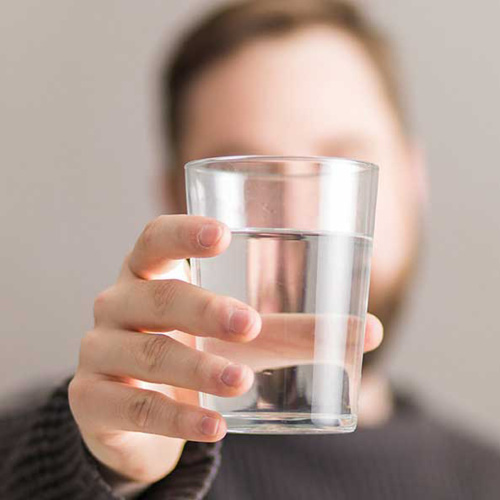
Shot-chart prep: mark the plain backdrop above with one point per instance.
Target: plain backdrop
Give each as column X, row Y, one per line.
column 79, row 161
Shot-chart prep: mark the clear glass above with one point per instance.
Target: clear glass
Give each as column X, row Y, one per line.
column 300, row 254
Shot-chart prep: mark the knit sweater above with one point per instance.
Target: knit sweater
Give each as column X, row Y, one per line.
column 412, row 457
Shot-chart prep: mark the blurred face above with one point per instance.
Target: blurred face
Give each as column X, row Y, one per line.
column 314, row 92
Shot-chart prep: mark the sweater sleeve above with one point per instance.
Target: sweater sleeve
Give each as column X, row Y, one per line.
column 43, row 456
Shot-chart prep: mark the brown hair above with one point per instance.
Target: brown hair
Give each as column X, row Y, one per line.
column 228, row 28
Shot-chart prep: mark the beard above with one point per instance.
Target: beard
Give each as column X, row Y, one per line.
column 388, row 305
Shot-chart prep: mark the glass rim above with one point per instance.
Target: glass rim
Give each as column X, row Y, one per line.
column 207, row 164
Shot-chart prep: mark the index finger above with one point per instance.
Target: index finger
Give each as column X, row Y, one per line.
column 169, row 238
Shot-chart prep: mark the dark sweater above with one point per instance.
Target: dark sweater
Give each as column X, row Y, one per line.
column 412, row 457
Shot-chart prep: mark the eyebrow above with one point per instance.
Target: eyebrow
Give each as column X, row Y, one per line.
column 235, row 150
column 334, row 146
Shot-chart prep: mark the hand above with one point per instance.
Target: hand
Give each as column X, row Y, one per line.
column 135, row 392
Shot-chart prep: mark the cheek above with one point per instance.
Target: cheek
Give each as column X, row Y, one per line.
column 394, row 230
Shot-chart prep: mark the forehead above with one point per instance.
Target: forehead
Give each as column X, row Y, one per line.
column 286, row 93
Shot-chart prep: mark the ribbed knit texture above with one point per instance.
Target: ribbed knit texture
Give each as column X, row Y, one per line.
column 42, row 457
column 411, row 458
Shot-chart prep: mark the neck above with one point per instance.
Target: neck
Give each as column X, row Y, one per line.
column 376, row 402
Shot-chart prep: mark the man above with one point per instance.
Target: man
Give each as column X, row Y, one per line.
column 263, row 77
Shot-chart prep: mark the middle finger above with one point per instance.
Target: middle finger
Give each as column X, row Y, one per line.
column 160, row 359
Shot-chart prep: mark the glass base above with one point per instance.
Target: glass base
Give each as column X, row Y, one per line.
column 289, row 423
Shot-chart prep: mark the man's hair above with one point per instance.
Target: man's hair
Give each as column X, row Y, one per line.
column 233, row 25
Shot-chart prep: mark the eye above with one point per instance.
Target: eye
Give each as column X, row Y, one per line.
column 356, row 147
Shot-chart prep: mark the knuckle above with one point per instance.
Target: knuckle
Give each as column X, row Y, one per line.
column 141, row 410
column 155, row 351
column 102, row 303
column 176, row 420
column 73, row 389
column 89, row 342
column 89, row 346
column 210, row 306
column 78, row 392
column 164, row 294
column 199, row 368
column 151, row 230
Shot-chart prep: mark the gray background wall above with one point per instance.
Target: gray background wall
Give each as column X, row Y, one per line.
column 78, row 160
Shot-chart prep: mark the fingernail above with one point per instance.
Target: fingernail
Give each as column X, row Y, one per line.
column 233, row 375
column 209, row 235
column 240, row 320
column 209, row 426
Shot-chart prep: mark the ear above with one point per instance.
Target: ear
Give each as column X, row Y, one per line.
column 420, row 174
column 169, row 191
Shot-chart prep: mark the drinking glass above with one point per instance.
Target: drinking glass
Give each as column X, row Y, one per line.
column 300, row 254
